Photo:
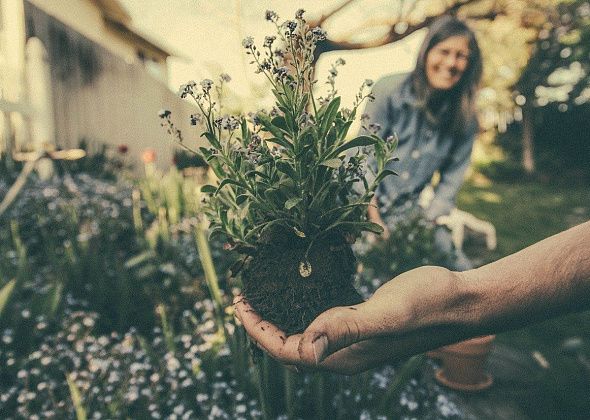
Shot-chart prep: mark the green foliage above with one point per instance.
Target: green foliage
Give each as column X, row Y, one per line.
column 292, row 166
column 410, row 245
column 559, row 68
column 83, row 243
column 183, row 159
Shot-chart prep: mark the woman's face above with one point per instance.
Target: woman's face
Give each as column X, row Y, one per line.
column 446, row 62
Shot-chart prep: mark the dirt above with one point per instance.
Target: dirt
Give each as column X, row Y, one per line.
column 273, row 285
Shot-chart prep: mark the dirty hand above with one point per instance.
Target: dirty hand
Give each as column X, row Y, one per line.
column 391, row 325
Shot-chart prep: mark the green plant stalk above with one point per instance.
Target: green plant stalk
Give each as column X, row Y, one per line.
column 76, row 398
column 209, row 269
column 137, row 221
column 5, row 294
column 262, row 389
column 21, row 251
column 166, row 328
column 319, row 384
column 290, row 393
column 20, row 182
column 55, row 299
column 239, row 352
column 163, row 226
column 402, row 377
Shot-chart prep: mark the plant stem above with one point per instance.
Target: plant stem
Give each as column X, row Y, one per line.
column 76, row 398
column 290, row 393
column 262, row 392
column 210, row 275
column 168, row 333
column 320, row 382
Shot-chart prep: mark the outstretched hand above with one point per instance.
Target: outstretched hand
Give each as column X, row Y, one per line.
column 352, row 339
column 428, row 307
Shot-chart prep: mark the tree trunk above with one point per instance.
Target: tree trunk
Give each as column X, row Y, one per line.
column 528, row 156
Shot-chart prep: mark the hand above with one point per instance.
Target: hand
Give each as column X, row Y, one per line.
column 391, row 325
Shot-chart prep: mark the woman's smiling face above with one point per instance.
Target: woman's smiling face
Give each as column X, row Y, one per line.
column 446, row 62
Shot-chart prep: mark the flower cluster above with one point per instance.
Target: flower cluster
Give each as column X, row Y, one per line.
column 124, row 375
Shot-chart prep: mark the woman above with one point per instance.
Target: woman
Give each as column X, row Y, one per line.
column 432, row 112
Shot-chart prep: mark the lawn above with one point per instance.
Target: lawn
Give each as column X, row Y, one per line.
column 525, row 212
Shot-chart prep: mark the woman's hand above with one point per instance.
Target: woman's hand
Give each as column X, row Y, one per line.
column 375, row 217
column 391, row 325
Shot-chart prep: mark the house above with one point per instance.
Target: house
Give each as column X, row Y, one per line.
column 78, row 70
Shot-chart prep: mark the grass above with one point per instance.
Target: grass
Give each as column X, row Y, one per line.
column 523, row 213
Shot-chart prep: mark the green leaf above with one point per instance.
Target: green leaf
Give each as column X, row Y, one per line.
column 281, row 142
column 332, row 163
column 371, row 227
column 343, row 209
column 287, row 169
column 227, row 181
column 212, row 139
column 292, row 202
column 76, row 396
column 279, row 97
column 356, row 142
column 385, row 173
column 276, row 131
column 281, row 123
column 208, row 189
column 5, row 294
column 329, row 116
column 217, row 168
column 205, row 151
column 358, row 226
column 223, row 217
column 254, row 173
column 214, row 232
column 55, row 298
column 139, row 259
column 343, row 130
column 240, row 199
column 245, row 132
column 303, row 104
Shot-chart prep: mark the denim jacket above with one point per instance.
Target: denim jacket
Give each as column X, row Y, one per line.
column 422, row 150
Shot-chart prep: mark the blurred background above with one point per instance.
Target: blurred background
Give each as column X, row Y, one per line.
column 99, row 209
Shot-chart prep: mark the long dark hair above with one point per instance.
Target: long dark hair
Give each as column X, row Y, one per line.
column 459, row 102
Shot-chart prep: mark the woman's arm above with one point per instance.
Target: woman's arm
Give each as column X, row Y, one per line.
column 429, row 307
column 452, row 175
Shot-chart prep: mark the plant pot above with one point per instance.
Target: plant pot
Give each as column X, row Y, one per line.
column 463, row 364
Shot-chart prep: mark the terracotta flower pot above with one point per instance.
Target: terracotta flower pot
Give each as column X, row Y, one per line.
column 463, row 364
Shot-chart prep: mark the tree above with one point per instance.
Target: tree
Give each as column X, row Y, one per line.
column 559, row 69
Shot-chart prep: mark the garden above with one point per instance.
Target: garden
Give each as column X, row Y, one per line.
column 117, row 276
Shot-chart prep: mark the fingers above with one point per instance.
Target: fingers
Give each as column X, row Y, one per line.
column 331, row 331
column 266, row 335
column 330, row 342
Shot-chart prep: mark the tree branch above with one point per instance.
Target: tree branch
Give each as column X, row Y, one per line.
column 322, row 19
column 388, row 38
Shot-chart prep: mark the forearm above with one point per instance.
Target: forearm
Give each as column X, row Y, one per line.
column 431, row 306
column 547, row 279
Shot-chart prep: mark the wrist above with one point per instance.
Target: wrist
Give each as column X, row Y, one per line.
column 449, row 304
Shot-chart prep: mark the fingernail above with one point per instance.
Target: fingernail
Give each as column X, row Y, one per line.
column 320, row 346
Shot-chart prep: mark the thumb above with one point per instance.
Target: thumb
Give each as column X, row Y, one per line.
column 331, row 331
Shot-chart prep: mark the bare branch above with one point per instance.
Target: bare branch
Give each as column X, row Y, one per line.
column 322, row 19
column 388, row 38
